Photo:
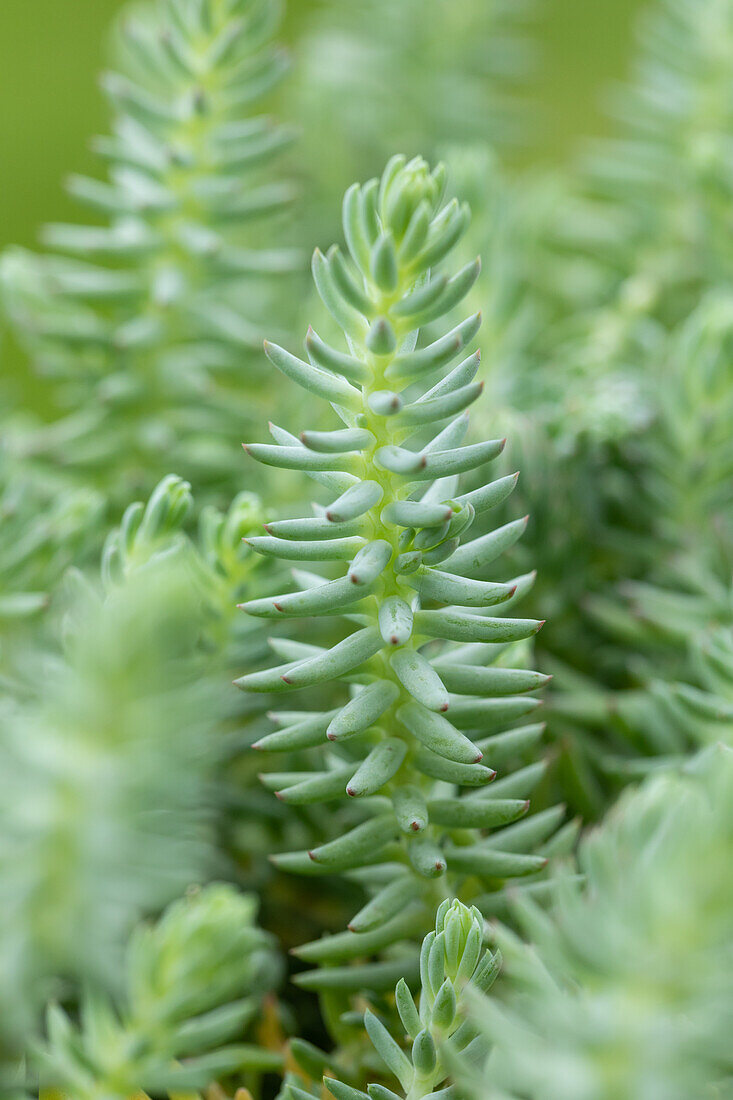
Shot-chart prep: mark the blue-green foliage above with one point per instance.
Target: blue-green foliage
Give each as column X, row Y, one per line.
column 193, row 982
column 452, row 963
column 433, row 697
column 111, row 745
column 105, row 775
column 678, row 536
column 607, row 356
column 625, row 989
column 145, row 320
column 43, row 530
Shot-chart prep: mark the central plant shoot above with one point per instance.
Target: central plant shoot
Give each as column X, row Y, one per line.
column 429, row 697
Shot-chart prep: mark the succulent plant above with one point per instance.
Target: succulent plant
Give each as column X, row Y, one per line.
column 433, row 694
column 624, row 989
column 139, row 320
column 193, row 982
column 452, row 961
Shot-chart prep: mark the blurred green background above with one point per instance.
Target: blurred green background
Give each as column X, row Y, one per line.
column 52, row 53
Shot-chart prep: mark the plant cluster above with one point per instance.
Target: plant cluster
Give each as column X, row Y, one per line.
column 434, row 693
column 168, row 842
column 140, row 322
column 625, row 989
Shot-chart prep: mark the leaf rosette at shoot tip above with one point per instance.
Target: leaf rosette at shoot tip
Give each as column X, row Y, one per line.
column 452, row 960
column 431, row 700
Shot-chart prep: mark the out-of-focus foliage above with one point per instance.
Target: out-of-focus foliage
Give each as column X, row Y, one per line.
column 375, row 76
column 660, row 192
column 112, row 744
column 125, row 770
column 625, row 989
column 675, row 537
column 193, row 982
column 43, row 530
column 144, row 322
column 106, row 768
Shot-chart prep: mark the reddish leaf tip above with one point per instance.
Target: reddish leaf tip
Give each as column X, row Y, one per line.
column 351, row 792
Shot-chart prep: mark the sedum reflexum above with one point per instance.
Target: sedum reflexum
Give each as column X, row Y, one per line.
column 192, row 983
column 655, row 208
column 111, row 747
column 431, row 697
column 105, row 787
column 678, row 540
column 626, row 987
column 142, row 319
column 452, row 961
